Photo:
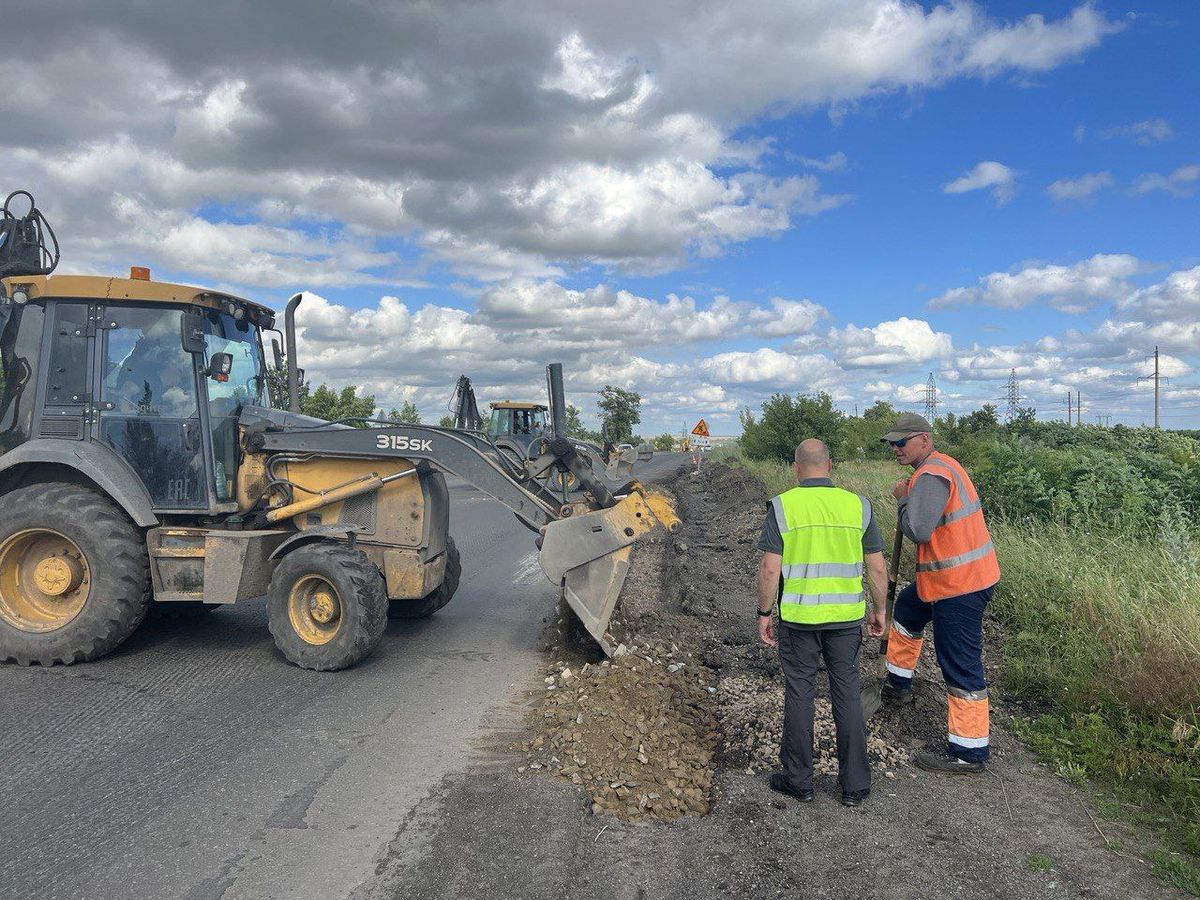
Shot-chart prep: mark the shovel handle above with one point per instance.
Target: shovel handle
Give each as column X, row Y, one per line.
column 893, row 575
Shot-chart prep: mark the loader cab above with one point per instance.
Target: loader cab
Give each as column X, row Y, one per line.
column 156, row 373
column 516, row 420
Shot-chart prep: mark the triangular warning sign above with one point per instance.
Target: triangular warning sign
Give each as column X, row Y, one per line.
column 701, row 429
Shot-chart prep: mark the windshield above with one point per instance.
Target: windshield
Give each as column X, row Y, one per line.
column 240, row 340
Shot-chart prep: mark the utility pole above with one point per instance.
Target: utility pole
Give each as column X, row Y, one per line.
column 1078, row 409
column 931, row 400
column 1155, row 387
column 1068, row 409
column 1157, row 378
column 1013, row 398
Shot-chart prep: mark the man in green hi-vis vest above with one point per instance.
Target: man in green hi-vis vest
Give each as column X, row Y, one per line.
column 818, row 542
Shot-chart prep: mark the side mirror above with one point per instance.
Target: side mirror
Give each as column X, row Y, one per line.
column 192, row 332
column 277, row 353
column 219, row 366
column 299, row 378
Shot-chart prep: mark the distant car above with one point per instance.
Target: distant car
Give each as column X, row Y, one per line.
column 624, row 446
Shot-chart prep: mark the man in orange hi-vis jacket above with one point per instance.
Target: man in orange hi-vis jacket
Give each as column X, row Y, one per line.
column 956, row 573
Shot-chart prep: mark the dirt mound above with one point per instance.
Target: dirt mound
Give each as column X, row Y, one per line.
column 638, row 733
column 693, row 689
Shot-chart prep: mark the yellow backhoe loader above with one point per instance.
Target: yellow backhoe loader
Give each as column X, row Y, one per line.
column 140, row 462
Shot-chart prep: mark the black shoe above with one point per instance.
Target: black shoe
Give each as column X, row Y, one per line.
column 932, row 761
column 778, row 782
column 855, row 798
column 892, row 694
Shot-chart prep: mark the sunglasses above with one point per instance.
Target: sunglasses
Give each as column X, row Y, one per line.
column 904, row 440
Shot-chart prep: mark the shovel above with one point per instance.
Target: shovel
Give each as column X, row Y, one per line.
column 872, row 696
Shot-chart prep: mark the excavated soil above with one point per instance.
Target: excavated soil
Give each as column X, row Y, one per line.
column 691, row 690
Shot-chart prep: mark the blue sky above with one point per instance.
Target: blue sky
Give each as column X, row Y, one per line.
column 707, row 203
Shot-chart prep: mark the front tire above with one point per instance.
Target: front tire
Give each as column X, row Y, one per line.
column 427, row 606
column 327, row 606
column 74, row 575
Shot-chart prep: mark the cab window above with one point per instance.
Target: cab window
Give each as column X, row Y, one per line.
column 149, row 413
column 20, row 351
column 245, row 386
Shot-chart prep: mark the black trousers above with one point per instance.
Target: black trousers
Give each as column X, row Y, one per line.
column 799, row 653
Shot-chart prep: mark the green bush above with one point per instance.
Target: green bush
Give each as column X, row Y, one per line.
column 786, row 421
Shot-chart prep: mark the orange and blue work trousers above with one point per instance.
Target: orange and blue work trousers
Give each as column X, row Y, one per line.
column 958, row 643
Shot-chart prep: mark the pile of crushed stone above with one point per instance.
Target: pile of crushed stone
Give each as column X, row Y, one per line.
column 638, row 733
column 692, row 691
column 750, row 712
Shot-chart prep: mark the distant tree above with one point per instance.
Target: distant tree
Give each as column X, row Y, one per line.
column 1025, row 421
column 446, row 421
column 664, row 442
column 325, row 403
column 982, row 421
column 407, row 414
column 622, row 410
column 786, row 421
column 880, row 410
column 576, row 428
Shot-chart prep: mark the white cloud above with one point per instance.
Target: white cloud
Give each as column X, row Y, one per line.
column 901, row 342
column 1073, row 288
column 987, row 174
column 571, row 136
column 1033, row 44
column 1081, row 188
column 1145, row 132
column 1181, row 182
column 834, row 162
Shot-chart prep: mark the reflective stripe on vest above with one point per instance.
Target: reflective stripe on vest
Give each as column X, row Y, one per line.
column 959, row 557
column 822, row 529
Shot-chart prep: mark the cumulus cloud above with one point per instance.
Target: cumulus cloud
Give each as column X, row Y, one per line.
column 527, row 140
column 900, row 342
column 987, row 174
column 1145, row 132
column 1081, row 188
column 1074, row 288
column 1182, row 182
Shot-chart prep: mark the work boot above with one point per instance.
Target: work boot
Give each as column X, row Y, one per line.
column 933, row 761
column 779, row 782
column 855, row 798
column 894, row 695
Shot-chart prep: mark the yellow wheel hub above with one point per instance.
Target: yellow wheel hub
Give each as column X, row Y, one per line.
column 44, row 580
column 315, row 609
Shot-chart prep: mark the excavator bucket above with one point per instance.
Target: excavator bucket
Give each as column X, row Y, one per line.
column 589, row 553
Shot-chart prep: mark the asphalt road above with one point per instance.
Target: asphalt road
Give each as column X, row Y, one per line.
column 196, row 763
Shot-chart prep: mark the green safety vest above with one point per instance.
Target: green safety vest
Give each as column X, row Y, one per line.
column 822, row 529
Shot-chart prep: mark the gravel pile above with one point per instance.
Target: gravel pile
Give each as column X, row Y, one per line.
column 750, row 712
column 639, row 733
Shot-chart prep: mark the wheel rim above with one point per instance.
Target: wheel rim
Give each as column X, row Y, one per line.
column 44, row 580
column 315, row 609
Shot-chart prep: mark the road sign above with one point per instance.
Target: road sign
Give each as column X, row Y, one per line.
column 701, row 429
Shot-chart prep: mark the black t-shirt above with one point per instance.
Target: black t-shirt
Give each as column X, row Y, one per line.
column 771, row 541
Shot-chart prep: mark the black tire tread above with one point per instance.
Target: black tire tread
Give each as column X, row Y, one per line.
column 436, row 599
column 92, row 513
column 365, row 614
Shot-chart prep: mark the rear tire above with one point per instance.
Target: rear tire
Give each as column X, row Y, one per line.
column 327, row 606
column 427, row 606
column 74, row 575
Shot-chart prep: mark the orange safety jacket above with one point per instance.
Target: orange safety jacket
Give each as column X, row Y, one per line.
column 959, row 557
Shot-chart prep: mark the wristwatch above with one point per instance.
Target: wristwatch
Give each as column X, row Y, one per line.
column 765, row 614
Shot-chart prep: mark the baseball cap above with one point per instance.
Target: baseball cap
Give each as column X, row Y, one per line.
column 906, row 424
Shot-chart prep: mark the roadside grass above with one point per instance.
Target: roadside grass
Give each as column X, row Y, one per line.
column 1103, row 645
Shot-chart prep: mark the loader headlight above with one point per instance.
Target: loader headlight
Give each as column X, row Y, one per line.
column 20, row 297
